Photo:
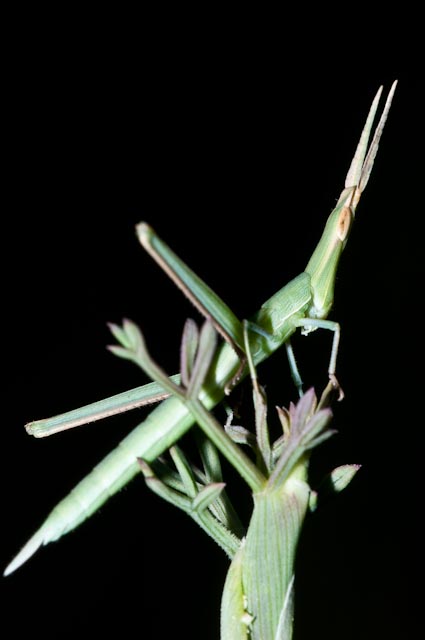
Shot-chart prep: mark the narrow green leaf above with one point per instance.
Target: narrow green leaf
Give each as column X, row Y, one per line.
column 206, row 348
column 189, row 345
column 261, row 426
column 210, row 458
column 315, row 426
column 303, row 411
column 207, row 495
column 222, row 508
column 119, row 334
column 322, row 437
column 284, row 419
column 121, row 352
column 167, row 475
column 221, row 535
column 277, row 449
column 162, row 490
column 185, row 470
column 133, row 333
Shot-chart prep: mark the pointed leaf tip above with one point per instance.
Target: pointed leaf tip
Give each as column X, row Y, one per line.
column 119, row 334
column 341, row 476
column 207, row 495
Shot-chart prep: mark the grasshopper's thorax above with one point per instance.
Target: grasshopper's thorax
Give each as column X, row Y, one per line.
column 323, row 263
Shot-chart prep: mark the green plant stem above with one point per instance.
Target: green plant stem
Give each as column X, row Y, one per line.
column 237, row 458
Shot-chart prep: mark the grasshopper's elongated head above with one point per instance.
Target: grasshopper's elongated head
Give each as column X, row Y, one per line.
column 323, row 263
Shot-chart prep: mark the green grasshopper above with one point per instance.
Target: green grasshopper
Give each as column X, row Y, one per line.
column 304, row 303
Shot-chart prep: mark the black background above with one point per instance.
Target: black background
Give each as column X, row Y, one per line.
column 234, row 146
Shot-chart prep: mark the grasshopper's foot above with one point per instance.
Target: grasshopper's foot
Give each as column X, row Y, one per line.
column 337, row 386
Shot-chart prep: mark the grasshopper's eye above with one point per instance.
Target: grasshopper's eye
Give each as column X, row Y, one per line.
column 344, row 223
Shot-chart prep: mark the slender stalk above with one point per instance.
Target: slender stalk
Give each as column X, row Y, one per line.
column 237, row 458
